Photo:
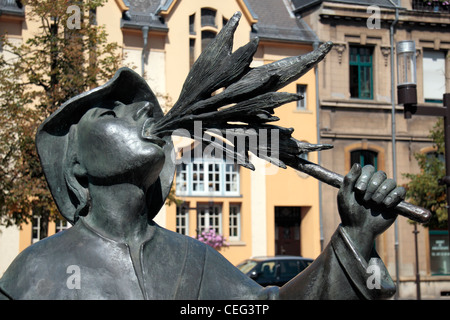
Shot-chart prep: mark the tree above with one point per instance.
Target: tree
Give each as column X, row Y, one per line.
column 68, row 55
column 424, row 189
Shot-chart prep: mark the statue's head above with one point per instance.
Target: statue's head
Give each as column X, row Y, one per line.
column 101, row 137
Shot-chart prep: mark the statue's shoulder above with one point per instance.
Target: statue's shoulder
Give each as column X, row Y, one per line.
column 41, row 260
column 44, row 248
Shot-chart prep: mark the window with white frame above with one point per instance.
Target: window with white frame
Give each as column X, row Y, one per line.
column 198, row 177
column 235, row 222
column 207, row 177
column 433, row 75
column 181, row 181
column 182, row 219
column 210, row 217
column 214, row 177
column 231, row 178
column 61, row 224
column 35, row 229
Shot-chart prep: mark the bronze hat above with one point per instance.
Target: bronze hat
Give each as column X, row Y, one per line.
column 52, row 138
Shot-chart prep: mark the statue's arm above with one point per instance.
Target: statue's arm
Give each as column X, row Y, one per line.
column 349, row 268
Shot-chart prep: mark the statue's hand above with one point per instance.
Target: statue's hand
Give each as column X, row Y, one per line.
column 364, row 201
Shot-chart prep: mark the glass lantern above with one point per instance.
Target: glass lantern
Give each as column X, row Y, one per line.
column 406, row 72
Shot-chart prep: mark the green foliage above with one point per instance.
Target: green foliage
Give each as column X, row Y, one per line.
column 424, row 188
column 36, row 77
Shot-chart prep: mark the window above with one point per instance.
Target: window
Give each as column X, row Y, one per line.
column 207, row 37
column 361, row 82
column 210, row 217
column 231, row 178
column 192, row 24
column 364, row 157
column 181, row 182
column 235, row 222
column 93, row 16
column 61, row 224
column 208, row 17
column 210, row 177
column 198, row 178
column 191, row 52
column 433, row 75
column 435, row 162
column 36, row 229
column 39, row 224
column 301, row 90
column 182, row 219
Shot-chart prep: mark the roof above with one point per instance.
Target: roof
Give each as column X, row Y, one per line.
column 143, row 13
column 277, row 22
column 11, row 7
column 275, row 19
column 300, row 5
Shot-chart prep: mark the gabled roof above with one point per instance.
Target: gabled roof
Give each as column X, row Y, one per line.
column 142, row 13
column 12, row 7
column 271, row 19
column 277, row 22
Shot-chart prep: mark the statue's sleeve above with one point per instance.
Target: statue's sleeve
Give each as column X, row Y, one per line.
column 340, row 272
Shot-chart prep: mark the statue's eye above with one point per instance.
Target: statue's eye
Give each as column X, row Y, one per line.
column 108, row 113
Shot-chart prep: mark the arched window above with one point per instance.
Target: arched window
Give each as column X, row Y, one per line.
column 364, row 153
column 208, row 17
column 364, row 157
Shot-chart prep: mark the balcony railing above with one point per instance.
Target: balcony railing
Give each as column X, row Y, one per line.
column 431, row 5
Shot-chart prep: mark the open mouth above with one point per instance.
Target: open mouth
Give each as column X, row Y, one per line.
column 148, row 135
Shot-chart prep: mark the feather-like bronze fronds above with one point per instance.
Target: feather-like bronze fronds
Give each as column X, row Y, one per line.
column 245, row 105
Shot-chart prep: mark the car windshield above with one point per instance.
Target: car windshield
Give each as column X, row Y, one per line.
column 246, row 266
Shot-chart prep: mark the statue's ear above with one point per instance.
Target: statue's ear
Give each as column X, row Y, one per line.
column 75, row 176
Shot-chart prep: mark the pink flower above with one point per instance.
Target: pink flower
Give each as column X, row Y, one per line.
column 212, row 239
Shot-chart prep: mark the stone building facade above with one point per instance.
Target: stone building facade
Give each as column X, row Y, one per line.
column 360, row 116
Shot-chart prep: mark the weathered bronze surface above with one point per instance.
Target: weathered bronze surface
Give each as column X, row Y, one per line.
column 108, row 159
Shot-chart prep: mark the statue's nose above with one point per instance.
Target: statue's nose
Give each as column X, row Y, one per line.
column 144, row 111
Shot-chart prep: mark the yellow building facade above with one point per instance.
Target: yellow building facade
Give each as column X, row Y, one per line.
column 267, row 211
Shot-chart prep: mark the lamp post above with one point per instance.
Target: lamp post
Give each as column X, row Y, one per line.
column 407, row 95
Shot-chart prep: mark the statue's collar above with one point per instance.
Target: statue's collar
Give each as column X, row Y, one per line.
column 151, row 229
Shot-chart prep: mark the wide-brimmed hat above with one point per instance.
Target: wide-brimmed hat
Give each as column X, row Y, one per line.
column 52, row 138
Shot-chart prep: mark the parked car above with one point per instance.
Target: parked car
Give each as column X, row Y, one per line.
column 274, row 271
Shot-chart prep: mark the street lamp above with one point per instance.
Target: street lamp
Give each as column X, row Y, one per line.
column 407, row 76
column 407, row 95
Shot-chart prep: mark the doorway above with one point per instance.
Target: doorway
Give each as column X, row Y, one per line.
column 287, row 231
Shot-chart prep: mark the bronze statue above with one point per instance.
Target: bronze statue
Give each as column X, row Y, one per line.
column 108, row 159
